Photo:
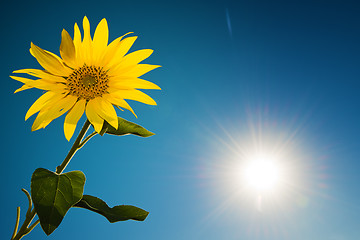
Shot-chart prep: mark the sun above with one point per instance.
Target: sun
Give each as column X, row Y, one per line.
column 262, row 174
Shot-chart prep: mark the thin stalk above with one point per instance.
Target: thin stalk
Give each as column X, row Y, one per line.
column 33, row 225
column 86, row 139
column 30, row 201
column 25, row 229
column 17, row 222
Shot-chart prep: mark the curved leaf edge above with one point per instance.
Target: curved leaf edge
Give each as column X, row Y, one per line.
column 114, row 214
column 125, row 127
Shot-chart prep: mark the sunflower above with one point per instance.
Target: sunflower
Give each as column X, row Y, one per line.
column 91, row 76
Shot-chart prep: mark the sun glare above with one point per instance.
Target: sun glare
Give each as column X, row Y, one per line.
column 262, row 174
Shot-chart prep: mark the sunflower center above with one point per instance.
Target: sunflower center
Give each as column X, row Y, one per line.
column 87, row 82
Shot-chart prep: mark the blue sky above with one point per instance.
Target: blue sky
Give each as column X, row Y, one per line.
column 237, row 76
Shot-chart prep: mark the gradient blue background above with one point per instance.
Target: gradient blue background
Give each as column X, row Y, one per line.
column 235, row 75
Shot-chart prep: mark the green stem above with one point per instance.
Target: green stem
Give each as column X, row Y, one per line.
column 74, row 148
column 25, row 229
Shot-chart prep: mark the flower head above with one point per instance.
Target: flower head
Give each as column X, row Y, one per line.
column 91, row 76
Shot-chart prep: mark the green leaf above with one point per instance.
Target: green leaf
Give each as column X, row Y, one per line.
column 114, row 214
column 125, row 127
column 54, row 194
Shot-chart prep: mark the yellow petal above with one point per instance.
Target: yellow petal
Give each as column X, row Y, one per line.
column 93, row 117
column 38, row 120
column 51, row 102
column 55, row 56
column 101, row 37
column 118, row 102
column 72, row 118
column 24, row 87
column 87, row 42
column 135, row 71
column 135, row 95
column 40, row 84
column 49, row 62
column 131, row 83
column 67, row 49
column 131, row 60
column 41, row 74
column 61, row 108
column 123, row 48
column 136, row 57
column 39, row 103
column 77, row 43
column 111, row 50
column 86, row 27
column 77, row 35
column 45, row 85
column 46, row 115
column 105, row 110
column 21, row 79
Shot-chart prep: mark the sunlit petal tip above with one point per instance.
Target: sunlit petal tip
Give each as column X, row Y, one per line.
column 128, row 42
column 33, row 128
column 86, row 28
column 152, row 86
column 20, row 71
column 72, row 118
column 24, row 87
column 130, row 109
column 100, row 40
column 93, row 117
column 85, row 19
column 68, row 137
column 131, row 83
column 37, row 123
column 39, row 103
column 119, row 108
column 123, row 36
column 104, row 29
column 77, row 34
column 32, row 45
column 67, row 48
column 128, row 33
column 135, row 95
column 134, row 114
column 106, row 111
column 76, row 26
column 49, row 61
column 20, row 79
column 65, row 33
column 103, row 21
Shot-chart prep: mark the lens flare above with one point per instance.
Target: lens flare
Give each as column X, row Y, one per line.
column 262, row 174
